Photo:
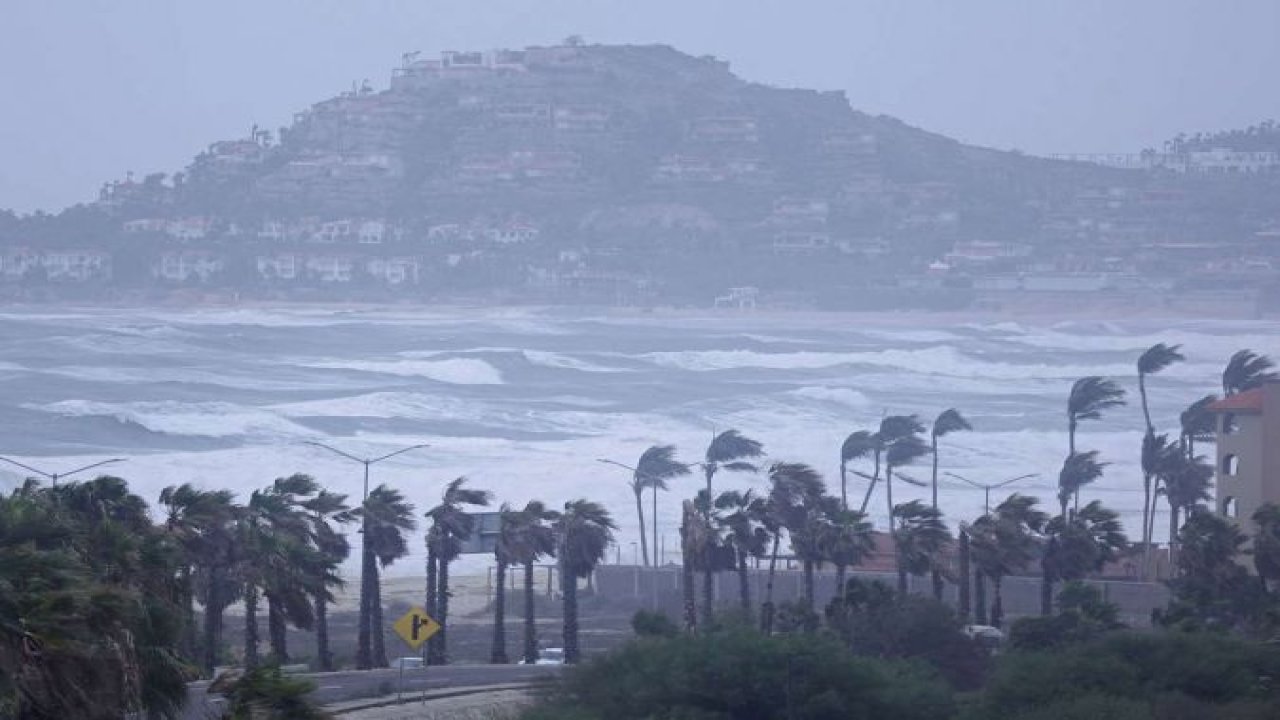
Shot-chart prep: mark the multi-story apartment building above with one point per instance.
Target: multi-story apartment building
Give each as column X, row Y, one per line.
column 1248, row 452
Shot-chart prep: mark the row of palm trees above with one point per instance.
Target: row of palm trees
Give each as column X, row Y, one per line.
column 736, row 526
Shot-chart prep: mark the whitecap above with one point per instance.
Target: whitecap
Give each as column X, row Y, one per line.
column 204, row 419
column 455, row 371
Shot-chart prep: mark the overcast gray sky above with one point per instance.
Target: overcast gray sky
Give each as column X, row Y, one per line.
column 99, row 87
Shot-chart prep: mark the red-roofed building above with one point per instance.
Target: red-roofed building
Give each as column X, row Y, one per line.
column 1248, row 452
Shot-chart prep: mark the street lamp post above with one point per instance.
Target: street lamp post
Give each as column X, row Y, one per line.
column 54, row 477
column 364, row 659
column 988, row 487
column 636, row 471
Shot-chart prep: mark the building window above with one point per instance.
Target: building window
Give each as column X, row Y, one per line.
column 1230, row 507
column 1230, row 465
column 1230, row 425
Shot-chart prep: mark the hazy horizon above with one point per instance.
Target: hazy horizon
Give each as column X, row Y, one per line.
column 104, row 89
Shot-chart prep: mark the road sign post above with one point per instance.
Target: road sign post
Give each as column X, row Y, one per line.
column 414, row 628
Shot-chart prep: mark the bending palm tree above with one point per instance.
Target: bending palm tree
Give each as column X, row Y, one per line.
column 1187, row 481
column 789, row 483
column 1153, row 360
column 901, row 452
column 1076, row 546
column 920, row 536
column 740, row 519
column 1078, row 470
column 1198, row 424
column 1089, row 397
column 327, row 511
column 584, row 531
column 1005, row 542
column 947, row 422
column 730, row 450
column 533, row 538
column 892, row 429
column 450, row 526
column 386, row 518
column 849, row 540
column 1247, row 370
column 656, row 466
column 504, row 553
column 858, row 445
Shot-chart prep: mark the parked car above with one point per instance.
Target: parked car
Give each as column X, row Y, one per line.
column 549, row 656
column 407, row 663
column 989, row 637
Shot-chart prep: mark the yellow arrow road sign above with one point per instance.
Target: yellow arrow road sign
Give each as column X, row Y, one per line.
column 416, row 627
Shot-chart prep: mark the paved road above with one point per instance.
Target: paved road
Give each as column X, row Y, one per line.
column 354, row 684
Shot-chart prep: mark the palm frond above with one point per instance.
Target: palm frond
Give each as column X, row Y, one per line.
column 858, row 445
column 1158, row 357
column 949, row 421
column 1247, row 370
column 1091, row 395
column 732, row 445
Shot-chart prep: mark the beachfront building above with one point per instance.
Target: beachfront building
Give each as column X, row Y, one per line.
column 1248, row 452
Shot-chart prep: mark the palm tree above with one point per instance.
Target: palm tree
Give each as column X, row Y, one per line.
column 1005, row 542
column 858, row 445
column 740, row 518
column 504, row 552
column 902, row 451
column 920, row 536
column 807, row 521
column 730, row 450
column 692, row 531
column 303, row 571
column 849, row 540
column 386, row 518
column 1247, row 370
column 947, row 422
column 203, row 522
column 200, row 522
column 584, row 531
column 1076, row 546
column 533, row 538
column 1153, row 360
column 1198, row 424
column 892, row 429
column 1089, row 397
column 1078, row 470
column 328, row 510
column 1186, row 484
column 789, row 484
column 450, row 526
column 656, row 466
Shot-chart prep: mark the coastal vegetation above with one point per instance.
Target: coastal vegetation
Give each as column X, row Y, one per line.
column 108, row 606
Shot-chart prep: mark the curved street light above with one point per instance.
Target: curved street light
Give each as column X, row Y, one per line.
column 987, row 488
column 54, row 477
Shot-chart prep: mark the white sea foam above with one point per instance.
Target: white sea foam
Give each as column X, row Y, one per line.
column 943, row 361
column 566, row 362
column 456, row 371
column 837, row 395
column 204, row 419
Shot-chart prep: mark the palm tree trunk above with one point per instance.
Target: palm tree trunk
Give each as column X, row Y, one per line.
column 1150, row 529
column 378, row 648
column 250, row 627
column 277, row 631
column 938, row 585
column 808, row 585
column 368, row 570
column 212, row 621
column 530, row 624
column 323, row 655
column 997, row 605
column 766, row 610
column 875, row 477
column 656, row 560
column 844, row 485
column 440, row 648
column 686, row 579
column 433, row 572
column 744, row 584
column 570, row 586
column 1173, row 535
column 842, row 572
column 963, row 578
column 1146, row 524
column 888, row 492
column 498, row 656
column 644, row 544
column 188, row 614
column 935, row 471
column 1046, row 582
column 980, row 598
column 708, row 574
column 902, row 578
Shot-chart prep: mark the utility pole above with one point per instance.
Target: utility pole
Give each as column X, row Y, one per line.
column 55, row 477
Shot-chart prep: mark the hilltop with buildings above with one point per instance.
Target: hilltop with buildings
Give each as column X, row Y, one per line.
column 638, row 175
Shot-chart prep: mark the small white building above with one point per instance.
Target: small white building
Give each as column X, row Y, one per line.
column 283, row 266
column 394, row 270
column 76, row 265
column 331, row 268
column 191, row 265
column 190, row 228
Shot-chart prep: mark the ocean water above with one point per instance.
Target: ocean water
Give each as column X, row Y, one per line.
column 523, row 402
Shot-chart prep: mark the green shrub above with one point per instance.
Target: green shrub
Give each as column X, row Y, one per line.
column 739, row 674
column 647, row 623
